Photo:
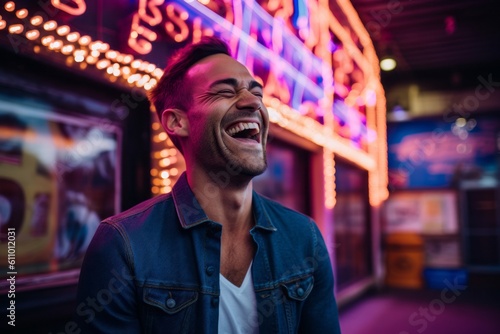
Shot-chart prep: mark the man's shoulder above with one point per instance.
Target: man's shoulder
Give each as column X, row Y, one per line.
column 141, row 211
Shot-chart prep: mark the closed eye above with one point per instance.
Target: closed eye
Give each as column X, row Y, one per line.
column 226, row 92
column 258, row 93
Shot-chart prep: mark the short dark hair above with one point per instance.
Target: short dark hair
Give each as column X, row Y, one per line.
column 170, row 91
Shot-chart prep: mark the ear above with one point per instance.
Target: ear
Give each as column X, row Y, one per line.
column 175, row 122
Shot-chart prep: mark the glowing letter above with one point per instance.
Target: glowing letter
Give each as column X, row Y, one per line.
column 180, row 19
column 78, row 9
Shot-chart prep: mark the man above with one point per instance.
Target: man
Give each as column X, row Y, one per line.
column 212, row 256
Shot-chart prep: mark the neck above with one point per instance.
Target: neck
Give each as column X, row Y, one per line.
column 228, row 203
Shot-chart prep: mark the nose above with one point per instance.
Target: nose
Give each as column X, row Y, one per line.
column 249, row 101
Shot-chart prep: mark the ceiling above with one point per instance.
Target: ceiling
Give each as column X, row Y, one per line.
column 434, row 40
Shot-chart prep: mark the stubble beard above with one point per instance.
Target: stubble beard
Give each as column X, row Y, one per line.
column 237, row 169
column 254, row 167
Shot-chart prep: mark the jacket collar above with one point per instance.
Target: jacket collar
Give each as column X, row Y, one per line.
column 191, row 214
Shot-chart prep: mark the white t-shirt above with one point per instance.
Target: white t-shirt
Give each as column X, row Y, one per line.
column 238, row 307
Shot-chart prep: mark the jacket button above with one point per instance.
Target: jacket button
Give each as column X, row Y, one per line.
column 210, row 270
column 215, row 301
column 171, row 303
column 300, row 292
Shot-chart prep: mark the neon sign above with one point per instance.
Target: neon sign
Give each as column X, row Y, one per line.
column 75, row 7
column 316, row 61
column 291, row 72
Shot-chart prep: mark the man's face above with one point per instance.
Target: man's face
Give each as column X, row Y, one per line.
column 228, row 121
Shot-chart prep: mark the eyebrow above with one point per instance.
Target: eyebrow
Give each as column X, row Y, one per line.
column 233, row 82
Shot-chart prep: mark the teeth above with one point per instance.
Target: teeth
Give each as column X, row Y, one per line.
column 242, row 126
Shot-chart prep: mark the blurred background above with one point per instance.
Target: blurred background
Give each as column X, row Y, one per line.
column 385, row 130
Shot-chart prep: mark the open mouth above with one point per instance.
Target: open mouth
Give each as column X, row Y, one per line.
column 244, row 130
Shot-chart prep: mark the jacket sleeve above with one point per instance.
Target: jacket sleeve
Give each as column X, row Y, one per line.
column 106, row 297
column 320, row 314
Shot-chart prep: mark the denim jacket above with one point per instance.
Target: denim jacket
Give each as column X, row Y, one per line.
column 155, row 269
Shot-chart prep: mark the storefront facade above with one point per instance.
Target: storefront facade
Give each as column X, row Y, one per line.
column 79, row 141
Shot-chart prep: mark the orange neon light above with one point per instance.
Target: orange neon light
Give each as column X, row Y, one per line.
column 73, row 7
column 140, row 37
column 177, row 15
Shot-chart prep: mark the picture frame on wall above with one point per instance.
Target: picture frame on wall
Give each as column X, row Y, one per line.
column 425, row 212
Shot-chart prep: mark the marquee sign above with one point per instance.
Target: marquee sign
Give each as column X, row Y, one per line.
column 314, row 58
column 291, row 72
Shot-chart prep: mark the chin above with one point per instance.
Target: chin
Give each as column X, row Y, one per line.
column 254, row 169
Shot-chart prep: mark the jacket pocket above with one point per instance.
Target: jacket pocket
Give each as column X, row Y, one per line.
column 299, row 289
column 169, row 309
column 171, row 301
column 295, row 293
